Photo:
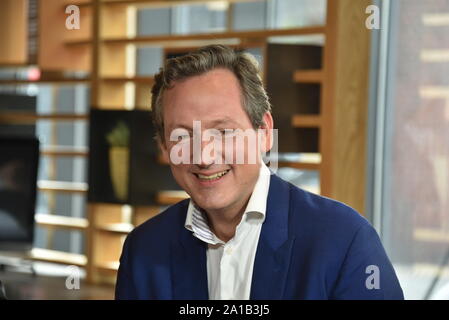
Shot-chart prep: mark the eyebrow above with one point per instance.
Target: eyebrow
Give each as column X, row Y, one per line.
column 225, row 120
column 213, row 123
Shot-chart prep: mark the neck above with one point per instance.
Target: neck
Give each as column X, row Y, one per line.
column 223, row 222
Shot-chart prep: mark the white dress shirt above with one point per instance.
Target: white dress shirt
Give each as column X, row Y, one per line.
column 230, row 265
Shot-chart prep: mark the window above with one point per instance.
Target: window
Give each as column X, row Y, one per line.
column 410, row 202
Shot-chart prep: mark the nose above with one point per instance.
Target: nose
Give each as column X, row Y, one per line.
column 206, row 153
column 207, row 148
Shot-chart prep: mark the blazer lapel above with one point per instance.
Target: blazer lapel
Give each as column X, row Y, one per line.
column 274, row 250
column 189, row 268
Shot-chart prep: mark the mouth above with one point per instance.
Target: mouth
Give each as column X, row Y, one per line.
column 207, row 179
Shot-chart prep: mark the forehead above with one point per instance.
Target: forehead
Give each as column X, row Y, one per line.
column 221, row 81
column 209, row 97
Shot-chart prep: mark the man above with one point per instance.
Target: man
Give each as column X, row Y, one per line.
column 244, row 233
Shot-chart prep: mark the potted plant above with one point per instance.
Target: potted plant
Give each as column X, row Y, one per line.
column 118, row 140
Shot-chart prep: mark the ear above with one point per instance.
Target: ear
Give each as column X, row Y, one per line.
column 267, row 127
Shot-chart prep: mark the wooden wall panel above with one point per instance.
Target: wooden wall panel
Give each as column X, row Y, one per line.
column 55, row 52
column 348, row 99
column 13, row 32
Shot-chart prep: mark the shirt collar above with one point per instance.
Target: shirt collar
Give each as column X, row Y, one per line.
column 196, row 219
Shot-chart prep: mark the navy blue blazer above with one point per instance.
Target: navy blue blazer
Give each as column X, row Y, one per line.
column 310, row 247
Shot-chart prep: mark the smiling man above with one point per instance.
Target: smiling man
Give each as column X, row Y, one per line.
column 244, row 233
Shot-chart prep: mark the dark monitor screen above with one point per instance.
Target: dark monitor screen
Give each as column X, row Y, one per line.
column 18, row 178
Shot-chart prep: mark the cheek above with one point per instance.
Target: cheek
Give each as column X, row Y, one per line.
column 180, row 173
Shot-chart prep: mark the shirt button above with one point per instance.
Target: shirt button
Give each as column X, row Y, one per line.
column 229, row 250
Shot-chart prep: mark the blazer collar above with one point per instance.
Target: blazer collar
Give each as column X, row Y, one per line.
column 275, row 246
column 189, row 266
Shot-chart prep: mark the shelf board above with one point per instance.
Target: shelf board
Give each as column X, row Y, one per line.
column 256, row 34
column 30, row 117
column 57, row 221
column 120, row 228
column 62, row 186
column 54, row 256
column 306, row 121
column 42, row 81
column 170, row 197
column 63, row 151
column 78, row 3
column 308, row 76
column 163, row 3
column 299, row 165
column 78, row 42
column 111, row 266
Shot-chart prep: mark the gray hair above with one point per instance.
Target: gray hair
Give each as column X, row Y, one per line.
column 243, row 65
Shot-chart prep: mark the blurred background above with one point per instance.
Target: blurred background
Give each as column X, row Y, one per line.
column 360, row 95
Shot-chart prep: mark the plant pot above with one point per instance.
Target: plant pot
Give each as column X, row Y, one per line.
column 119, row 171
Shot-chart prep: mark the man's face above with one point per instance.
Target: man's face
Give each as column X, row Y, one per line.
column 214, row 99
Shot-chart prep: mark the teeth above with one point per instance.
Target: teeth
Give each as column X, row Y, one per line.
column 214, row 176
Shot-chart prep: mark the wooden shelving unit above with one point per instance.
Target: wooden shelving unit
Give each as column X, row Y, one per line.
column 105, row 47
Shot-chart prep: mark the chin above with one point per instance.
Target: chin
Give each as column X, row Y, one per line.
column 211, row 203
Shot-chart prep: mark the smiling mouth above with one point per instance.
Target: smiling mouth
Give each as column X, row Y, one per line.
column 212, row 177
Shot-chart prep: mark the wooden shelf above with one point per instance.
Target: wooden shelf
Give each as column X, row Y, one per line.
column 111, row 107
column 111, row 266
column 79, row 3
column 306, row 121
column 60, row 186
column 170, row 197
column 29, row 117
column 162, row 3
column 62, row 151
column 299, row 165
column 58, row 257
column 57, row 221
column 258, row 34
column 78, row 42
column 308, row 76
column 120, row 228
column 42, row 81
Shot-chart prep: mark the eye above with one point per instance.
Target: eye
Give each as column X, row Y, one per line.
column 183, row 137
column 228, row 133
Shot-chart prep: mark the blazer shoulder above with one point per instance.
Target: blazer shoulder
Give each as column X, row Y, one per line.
column 321, row 211
column 163, row 226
